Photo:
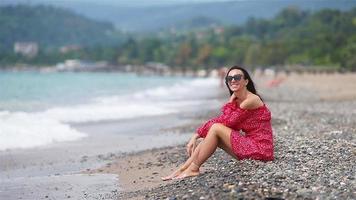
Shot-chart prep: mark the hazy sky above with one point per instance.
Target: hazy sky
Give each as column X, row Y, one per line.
column 139, row 1
column 117, row 2
column 153, row 2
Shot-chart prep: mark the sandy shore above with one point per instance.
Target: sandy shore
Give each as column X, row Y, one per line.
column 314, row 121
column 142, row 171
column 328, row 87
column 59, row 171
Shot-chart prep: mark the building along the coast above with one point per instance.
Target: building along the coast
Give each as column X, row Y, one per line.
column 28, row 49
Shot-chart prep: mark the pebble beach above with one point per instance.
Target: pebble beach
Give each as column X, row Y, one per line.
column 314, row 124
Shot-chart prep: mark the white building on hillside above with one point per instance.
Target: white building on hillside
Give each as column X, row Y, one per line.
column 29, row 49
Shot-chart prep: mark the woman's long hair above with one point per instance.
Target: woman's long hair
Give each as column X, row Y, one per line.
column 250, row 85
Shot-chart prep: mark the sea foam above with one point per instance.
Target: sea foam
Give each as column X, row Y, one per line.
column 31, row 129
column 24, row 130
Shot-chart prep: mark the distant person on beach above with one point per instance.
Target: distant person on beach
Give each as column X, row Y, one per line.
column 245, row 111
column 222, row 73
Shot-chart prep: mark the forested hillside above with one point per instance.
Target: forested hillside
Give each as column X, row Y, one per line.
column 50, row 27
column 152, row 16
column 324, row 38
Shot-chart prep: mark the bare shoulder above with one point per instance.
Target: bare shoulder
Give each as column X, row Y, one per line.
column 252, row 102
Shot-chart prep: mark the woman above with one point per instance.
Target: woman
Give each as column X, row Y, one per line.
column 245, row 112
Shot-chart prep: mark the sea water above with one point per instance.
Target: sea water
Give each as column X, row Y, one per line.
column 37, row 108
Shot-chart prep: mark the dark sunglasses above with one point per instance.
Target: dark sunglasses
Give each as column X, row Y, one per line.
column 237, row 77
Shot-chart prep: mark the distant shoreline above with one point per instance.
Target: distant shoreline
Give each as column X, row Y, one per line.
column 157, row 69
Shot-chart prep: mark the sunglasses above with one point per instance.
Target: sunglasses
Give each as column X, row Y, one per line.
column 237, row 77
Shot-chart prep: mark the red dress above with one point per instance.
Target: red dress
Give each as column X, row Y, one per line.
column 257, row 142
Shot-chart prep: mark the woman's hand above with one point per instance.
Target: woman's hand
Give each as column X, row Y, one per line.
column 232, row 98
column 192, row 144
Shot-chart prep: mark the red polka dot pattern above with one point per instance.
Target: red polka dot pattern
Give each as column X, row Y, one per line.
column 251, row 136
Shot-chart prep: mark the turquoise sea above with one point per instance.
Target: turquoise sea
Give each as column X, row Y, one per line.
column 38, row 108
column 29, row 91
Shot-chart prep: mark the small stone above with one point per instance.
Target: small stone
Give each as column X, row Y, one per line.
column 185, row 197
column 303, row 192
column 231, row 187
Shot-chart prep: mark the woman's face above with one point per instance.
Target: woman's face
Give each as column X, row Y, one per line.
column 236, row 80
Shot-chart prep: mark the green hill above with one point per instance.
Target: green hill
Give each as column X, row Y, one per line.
column 144, row 16
column 157, row 17
column 50, row 27
column 325, row 38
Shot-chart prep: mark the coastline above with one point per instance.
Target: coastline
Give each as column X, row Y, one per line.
column 314, row 152
column 60, row 170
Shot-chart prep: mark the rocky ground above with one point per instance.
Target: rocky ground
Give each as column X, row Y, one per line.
column 315, row 154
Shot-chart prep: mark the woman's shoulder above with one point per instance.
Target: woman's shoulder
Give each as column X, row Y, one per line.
column 252, row 102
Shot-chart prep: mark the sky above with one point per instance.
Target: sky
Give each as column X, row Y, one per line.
column 118, row 2
column 145, row 1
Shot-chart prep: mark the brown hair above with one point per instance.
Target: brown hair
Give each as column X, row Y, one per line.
column 250, row 85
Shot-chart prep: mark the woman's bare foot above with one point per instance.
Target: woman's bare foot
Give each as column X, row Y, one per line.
column 173, row 175
column 187, row 173
column 192, row 170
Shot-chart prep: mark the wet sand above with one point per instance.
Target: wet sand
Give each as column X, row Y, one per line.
column 65, row 170
column 314, row 126
column 314, row 118
column 26, row 173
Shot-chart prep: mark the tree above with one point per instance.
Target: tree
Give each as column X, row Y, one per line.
column 204, row 55
column 252, row 55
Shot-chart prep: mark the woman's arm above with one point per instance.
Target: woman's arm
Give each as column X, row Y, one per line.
column 232, row 98
column 192, row 144
column 202, row 131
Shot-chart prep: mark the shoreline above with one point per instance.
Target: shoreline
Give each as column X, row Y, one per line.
column 314, row 153
column 64, row 166
column 60, row 170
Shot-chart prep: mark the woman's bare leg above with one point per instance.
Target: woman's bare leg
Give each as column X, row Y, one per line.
column 184, row 166
column 227, row 148
column 190, row 159
column 218, row 135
